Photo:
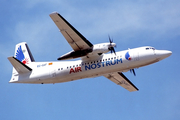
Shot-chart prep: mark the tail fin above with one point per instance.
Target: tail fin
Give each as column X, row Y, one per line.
column 23, row 53
column 21, row 59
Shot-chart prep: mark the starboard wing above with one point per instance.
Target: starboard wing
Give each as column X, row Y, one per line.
column 73, row 37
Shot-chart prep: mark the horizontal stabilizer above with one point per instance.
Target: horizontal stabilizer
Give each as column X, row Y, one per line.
column 19, row 66
column 121, row 80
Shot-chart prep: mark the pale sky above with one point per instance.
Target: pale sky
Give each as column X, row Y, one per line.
column 131, row 23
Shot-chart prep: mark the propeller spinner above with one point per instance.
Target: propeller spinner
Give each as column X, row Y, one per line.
column 112, row 45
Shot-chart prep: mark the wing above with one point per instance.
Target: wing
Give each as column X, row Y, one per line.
column 73, row 37
column 19, row 54
column 121, row 80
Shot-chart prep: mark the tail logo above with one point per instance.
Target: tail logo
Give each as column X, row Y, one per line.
column 20, row 56
column 127, row 56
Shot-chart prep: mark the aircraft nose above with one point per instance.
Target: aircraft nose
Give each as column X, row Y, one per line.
column 162, row 54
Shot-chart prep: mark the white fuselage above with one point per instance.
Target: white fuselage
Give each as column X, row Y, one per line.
column 64, row 71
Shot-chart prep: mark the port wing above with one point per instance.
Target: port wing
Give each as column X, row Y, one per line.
column 122, row 80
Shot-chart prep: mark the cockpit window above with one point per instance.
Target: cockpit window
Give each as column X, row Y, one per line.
column 150, row 48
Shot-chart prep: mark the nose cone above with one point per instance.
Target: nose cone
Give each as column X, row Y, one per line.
column 162, row 54
column 113, row 44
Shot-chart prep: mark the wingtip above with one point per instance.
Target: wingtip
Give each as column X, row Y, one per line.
column 55, row 12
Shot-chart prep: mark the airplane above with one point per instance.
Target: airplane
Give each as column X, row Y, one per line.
column 95, row 60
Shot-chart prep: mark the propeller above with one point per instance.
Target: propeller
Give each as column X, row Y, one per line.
column 133, row 71
column 112, row 45
column 111, row 48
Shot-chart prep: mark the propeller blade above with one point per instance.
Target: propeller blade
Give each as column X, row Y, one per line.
column 113, row 50
column 132, row 70
column 110, row 49
column 109, row 39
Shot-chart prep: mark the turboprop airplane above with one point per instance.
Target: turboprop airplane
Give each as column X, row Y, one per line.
column 94, row 62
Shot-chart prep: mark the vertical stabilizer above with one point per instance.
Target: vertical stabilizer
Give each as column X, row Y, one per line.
column 23, row 53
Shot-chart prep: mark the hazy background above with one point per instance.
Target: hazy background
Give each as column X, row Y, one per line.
column 131, row 23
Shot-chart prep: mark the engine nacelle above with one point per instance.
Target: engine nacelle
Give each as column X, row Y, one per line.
column 96, row 49
column 100, row 48
column 75, row 54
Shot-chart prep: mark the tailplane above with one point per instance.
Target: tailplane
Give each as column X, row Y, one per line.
column 18, row 67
